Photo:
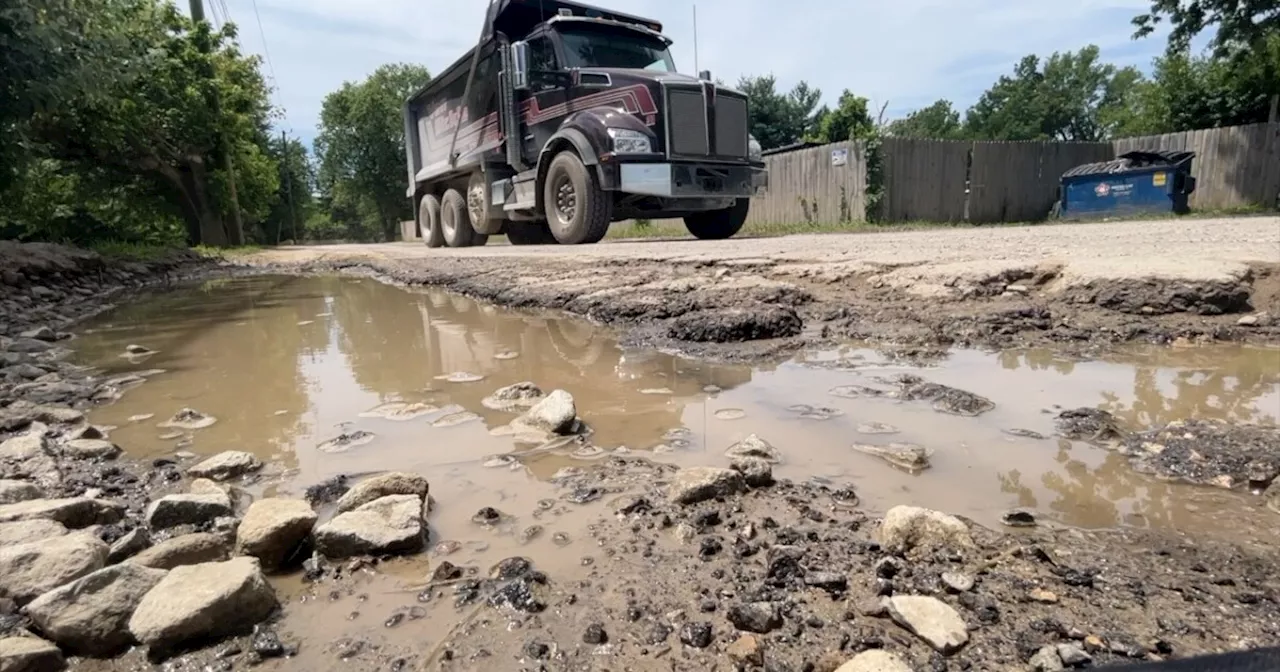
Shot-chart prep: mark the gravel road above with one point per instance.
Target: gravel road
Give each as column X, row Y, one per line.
column 1152, row 280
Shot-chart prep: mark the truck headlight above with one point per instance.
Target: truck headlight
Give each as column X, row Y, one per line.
column 630, row 142
column 754, row 152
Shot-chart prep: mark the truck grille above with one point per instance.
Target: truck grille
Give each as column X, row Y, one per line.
column 731, row 126
column 688, row 119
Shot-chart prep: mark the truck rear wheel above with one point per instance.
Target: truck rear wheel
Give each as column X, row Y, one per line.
column 429, row 220
column 578, row 210
column 530, row 233
column 455, row 223
column 719, row 224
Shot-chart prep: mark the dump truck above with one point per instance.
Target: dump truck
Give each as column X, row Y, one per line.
column 565, row 118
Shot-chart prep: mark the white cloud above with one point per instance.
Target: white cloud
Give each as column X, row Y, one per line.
column 904, row 52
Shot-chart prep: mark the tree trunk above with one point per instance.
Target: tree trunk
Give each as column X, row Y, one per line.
column 204, row 222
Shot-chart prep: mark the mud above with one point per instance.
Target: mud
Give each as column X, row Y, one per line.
column 568, row 554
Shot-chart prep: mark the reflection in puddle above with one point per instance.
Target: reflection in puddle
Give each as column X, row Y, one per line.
column 328, row 376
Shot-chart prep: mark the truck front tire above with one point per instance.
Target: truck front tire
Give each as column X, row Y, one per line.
column 429, row 220
column 578, row 210
column 719, row 224
column 455, row 223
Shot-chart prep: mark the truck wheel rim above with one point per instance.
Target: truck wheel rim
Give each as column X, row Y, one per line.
column 566, row 198
column 448, row 226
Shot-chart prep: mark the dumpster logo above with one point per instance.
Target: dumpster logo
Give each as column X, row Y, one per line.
column 1102, row 189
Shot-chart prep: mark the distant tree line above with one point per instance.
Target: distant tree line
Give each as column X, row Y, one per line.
column 125, row 121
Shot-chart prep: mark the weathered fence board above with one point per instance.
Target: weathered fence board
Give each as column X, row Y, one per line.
column 807, row 186
column 1018, row 181
column 1236, row 166
column 924, row 180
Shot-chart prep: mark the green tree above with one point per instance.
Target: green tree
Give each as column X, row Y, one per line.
column 1238, row 23
column 851, row 120
column 128, row 119
column 360, row 148
column 779, row 119
column 286, row 220
column 1073, row 97
column 938, row 121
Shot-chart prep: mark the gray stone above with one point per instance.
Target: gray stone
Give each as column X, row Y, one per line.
column 40, row 334
column 132, row 543
column 758, row 617
column 190, row 509
column 382, row 485
column 12, row 491
column 226, row 465
column 875, row 660
column 73, row 512
column 91, row 615
column 758, row 473
column 91, row 449
column 199, row 602
column 58, row 414
column 27, row 456
column 29, row 654
column 29, row 345
column 907, row 528
column 1073, row 655
column 698, row 484
column 29, row 570
column 957, row 582
column 188, row 549
column 556, row 413
column 273, row 528
column 754, row 446
column 1047, row 660
column 512, row 397
column 930, row 619
column 389, row 525
column 24, row 531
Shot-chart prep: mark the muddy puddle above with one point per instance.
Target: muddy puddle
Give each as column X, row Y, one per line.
column 288, row 364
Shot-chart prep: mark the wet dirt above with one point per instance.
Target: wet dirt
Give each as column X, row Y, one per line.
column 323, row 377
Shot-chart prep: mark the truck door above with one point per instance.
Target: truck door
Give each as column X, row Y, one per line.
column 548, row 97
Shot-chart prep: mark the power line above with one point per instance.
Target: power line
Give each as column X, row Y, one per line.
column 265, row 51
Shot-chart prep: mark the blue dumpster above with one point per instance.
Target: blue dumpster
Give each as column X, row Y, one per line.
column 1137, row 182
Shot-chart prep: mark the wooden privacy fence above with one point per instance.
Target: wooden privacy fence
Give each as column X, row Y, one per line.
column 924, row 180
column 819, row 184
column 1235, row 167
column 1018, row 181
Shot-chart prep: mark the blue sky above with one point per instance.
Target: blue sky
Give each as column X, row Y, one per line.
column 906, row 53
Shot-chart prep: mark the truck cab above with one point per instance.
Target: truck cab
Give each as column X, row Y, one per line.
column 566, row 118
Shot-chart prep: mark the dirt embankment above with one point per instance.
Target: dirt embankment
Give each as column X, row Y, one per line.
column 726, row 303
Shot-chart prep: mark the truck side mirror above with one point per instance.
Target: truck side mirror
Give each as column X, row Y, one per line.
column 705, row 75
column 520, row 66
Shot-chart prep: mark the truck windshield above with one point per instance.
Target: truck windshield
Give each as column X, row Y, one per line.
column 594, row 48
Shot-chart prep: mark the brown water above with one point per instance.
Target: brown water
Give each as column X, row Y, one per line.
column 285, row 363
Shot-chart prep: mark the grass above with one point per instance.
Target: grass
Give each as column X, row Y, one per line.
column 133, row 251
column 226, row 252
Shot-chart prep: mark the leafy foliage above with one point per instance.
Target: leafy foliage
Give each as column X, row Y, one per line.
column 779, row 119
column 1238, row 24
column 361, row 151
column 938, row 120
column 851, row 120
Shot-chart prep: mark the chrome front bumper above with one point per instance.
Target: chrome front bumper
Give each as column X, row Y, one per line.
column 692, row 180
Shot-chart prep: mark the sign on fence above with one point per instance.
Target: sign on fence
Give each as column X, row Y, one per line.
column 839, row 157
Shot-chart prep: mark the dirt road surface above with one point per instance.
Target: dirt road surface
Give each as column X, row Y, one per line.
column 1073, row 285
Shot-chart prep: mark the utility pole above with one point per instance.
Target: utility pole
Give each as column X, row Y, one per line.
column 235, row 236
column 288, row 189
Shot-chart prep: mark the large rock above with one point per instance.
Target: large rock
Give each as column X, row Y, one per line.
column 29, row 654
column 698, row 484
column 274, row 527
column 383, row 485
column 226, row 465
column 389, row 525
column 132, row 543
column 754, row 446
column 27, row 456
column 12, row 492
column 930, row 619
column 875, row 660
column 91, row 449
column 91, row 615
column 190, row 509
column 188, row 549
column 555, row 413
column 73, row 512
column 30, row 570
column 25, row 531
column 200, row 602
column 906, row 528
